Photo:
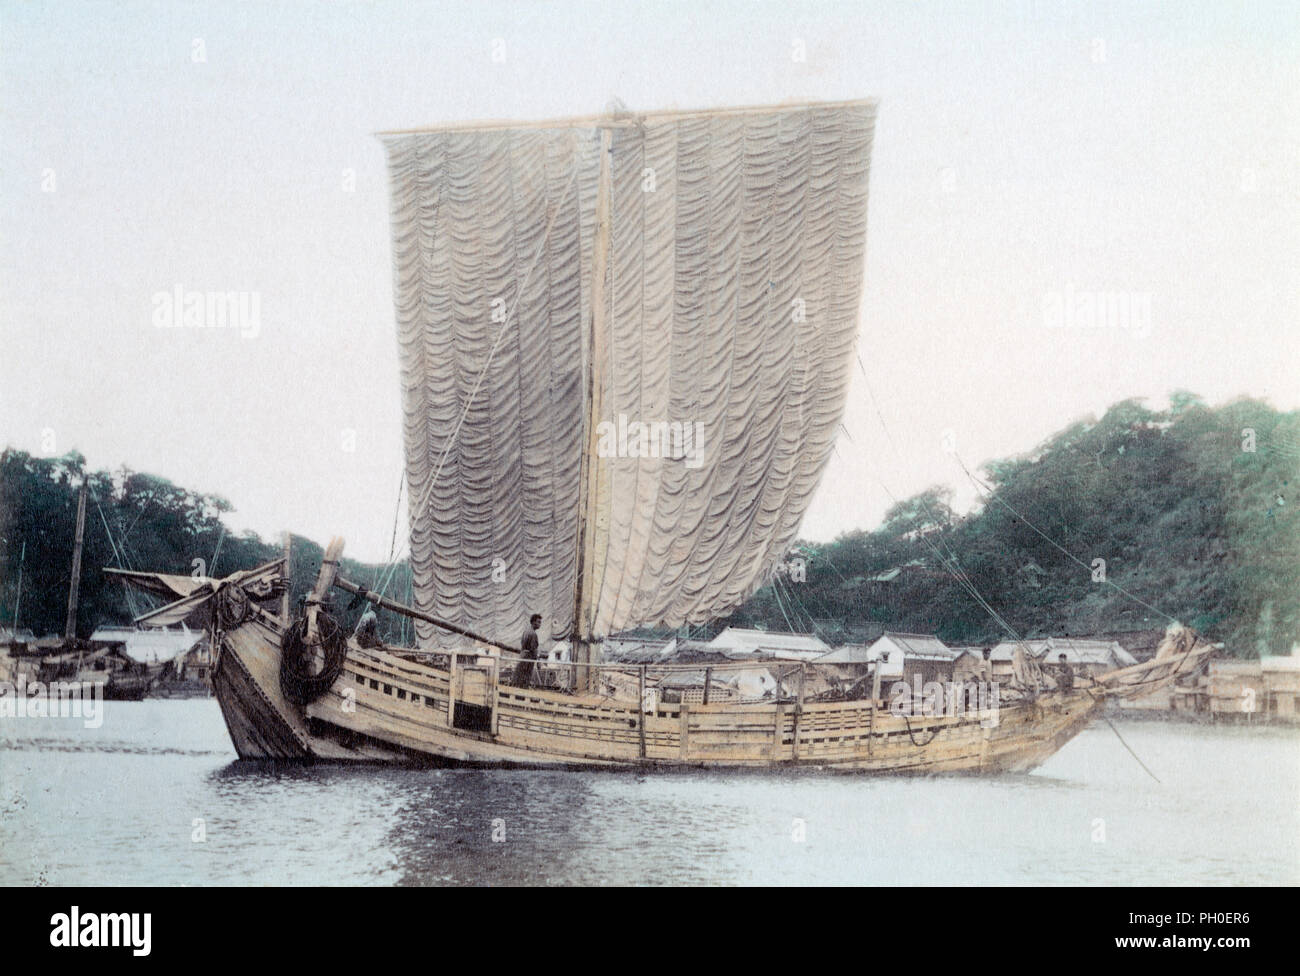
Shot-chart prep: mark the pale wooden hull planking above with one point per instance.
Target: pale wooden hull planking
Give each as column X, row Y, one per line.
column 387, row 708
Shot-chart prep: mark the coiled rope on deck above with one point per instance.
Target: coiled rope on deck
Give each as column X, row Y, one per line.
column 299, row 681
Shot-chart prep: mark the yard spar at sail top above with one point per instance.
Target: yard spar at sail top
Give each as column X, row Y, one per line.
column 702, row 268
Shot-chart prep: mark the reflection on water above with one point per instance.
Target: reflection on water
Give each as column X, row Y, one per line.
column 155, row 796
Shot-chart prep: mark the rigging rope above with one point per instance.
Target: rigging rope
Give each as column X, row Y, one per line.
column 790, row 593
column 1130, row 749
column 796, row 605
column 478, row 382
column 955, row 569
column 212, row 567
column 990, row 493
column 550, row 225
column 117, row 555
column 965, row 580
column 782, row 609
column 387, row 577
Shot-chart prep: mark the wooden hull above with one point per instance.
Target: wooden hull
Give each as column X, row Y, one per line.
column 387, row 708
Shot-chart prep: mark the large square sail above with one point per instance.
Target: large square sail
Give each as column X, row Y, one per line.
column 625, row 346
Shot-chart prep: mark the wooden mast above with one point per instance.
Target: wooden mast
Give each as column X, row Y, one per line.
column 583, row 649
column 18, row 600
column 288, row 574
column 70, row 628
column 329, row 567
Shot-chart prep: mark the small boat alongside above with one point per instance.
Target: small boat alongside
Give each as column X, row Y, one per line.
column 98, row 666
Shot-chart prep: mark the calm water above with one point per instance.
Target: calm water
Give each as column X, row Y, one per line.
column 119, row 805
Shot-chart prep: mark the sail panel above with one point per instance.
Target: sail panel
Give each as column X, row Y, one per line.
column 768, row 241
column 490, row 309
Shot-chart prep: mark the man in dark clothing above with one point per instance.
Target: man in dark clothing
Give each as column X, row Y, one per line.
column 528, row 646
column 1066, row 682
column 367, row 630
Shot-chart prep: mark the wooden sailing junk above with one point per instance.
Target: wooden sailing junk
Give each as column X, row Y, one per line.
column 625, row 346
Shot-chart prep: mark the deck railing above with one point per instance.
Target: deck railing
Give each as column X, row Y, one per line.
column 717, row 682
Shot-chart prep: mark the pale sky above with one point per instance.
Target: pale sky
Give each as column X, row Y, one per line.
column 1147, row 151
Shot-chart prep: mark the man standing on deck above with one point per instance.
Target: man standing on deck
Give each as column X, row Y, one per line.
column 1066, row 681
column 528, row 645
column 367, row 629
